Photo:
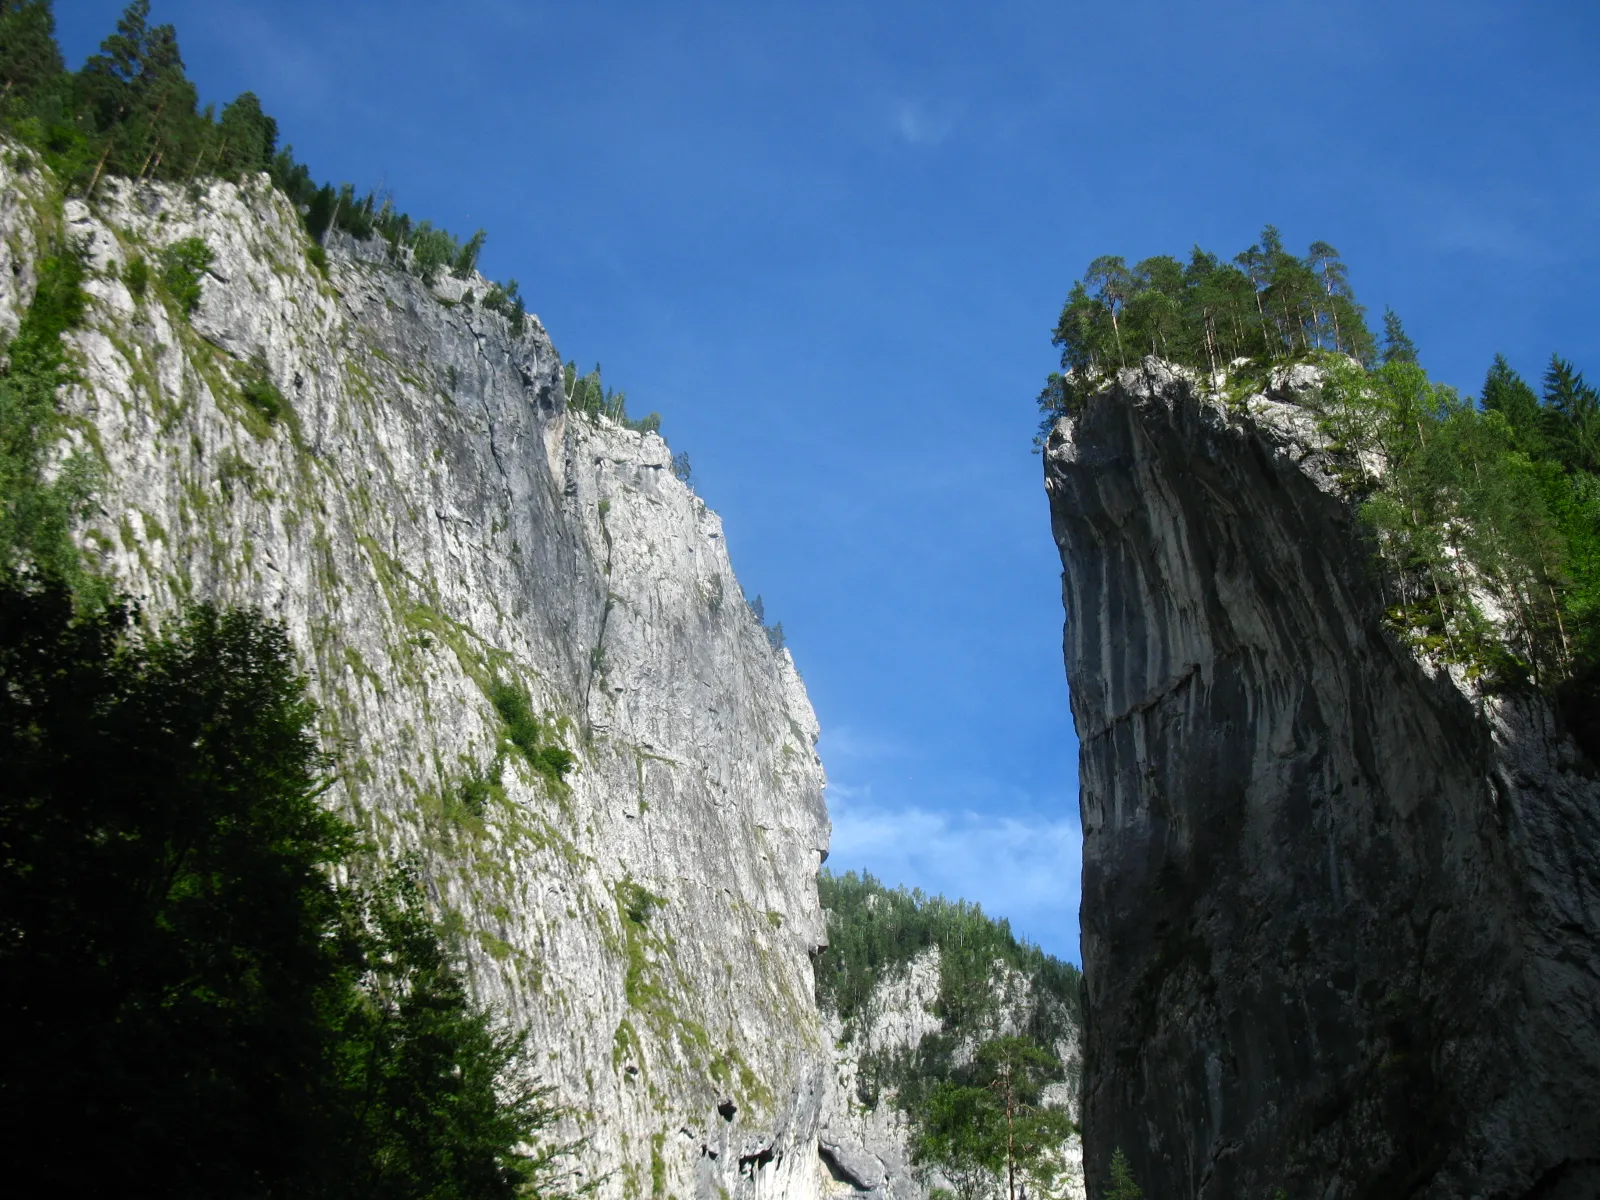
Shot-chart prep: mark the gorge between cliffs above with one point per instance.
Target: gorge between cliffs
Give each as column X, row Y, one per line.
column 1340, row 902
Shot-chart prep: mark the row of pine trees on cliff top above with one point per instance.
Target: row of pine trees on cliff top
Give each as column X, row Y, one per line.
column 132, row 111
column 1483, row 512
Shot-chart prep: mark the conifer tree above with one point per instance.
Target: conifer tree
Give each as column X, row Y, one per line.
column 1572, row 415
column 1397, row 347
column 1113, row 285
column 247, row 138
column 1122, row 1185
column 185, row 986
column 1506, row 393
column 29, row 57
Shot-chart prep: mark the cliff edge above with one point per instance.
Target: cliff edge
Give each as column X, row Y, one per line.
column 1341, row 910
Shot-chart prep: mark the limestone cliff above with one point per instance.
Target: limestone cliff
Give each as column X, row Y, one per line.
column 431, row 523
column 1340, row 910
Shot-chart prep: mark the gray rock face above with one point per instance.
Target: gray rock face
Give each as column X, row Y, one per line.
column 428, row 519
column 1340, row 912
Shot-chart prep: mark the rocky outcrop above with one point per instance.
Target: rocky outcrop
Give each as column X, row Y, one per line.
column 431, row 523
column 865, row 1140
column 1340, row 911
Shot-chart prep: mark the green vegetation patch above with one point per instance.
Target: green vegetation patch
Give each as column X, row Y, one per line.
column 37, row 517
column 586, row 394
column 533, row 738
column 952, row 1083
column 136, row 275
column 875, row 931
column 182, row 265
column 1467, row 499
column 170, row 883
column 261, row 393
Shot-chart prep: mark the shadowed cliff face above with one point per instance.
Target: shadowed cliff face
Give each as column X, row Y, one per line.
column 1339, row 912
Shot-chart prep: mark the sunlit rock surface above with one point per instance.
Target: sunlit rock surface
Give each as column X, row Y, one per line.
column 427, row 518
column 1340, row 912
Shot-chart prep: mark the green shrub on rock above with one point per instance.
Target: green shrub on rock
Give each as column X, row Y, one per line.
column 182, row 265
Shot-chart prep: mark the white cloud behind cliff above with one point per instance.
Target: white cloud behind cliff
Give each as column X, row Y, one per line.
column 1022, row 866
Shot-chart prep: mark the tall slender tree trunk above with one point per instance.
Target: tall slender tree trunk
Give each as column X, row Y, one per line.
column 1561, row 628
column 1011, row 1149
column 155, row 136
column 98, row 167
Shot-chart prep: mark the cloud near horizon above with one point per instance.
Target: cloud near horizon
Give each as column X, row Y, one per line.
column 1024, row 868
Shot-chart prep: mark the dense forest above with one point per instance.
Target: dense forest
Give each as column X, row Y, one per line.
column 973, row 1089
column 186, row 985
column 1484, row 512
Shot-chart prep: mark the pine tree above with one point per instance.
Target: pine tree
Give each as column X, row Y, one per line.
column 1113, row 286
column 141, row 101
column 1572, row 415
column 1122, row 1185
column 1397, row 347
column 247, row 139
column 1505, row 392
column 29, row 57
column 1253, row 264
column 185, row 985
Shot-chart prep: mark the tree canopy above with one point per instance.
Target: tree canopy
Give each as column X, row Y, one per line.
column 1484, row 513
column 132, row 111
column 185, row 987
column 992, row 1125
column 1264, row 304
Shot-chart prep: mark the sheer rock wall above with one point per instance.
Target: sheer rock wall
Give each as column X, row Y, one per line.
column 1341, row 912
column 428, row 518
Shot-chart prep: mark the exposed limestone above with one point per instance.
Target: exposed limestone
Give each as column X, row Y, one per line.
column 1341, row 914
column 428, row 519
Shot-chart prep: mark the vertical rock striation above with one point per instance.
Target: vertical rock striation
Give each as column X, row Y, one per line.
column 433, row 525
column 1341, row 913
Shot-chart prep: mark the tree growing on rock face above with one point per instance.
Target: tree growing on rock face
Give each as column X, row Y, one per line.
column 993, row 1129
column 29, row 57
column 1573, row 415
column 1122, row 1185
column 1113, row 286
column 1397, row 345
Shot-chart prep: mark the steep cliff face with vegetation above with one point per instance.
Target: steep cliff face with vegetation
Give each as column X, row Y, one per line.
column 1341, row 888
column 535, row 669
column 956, row 1051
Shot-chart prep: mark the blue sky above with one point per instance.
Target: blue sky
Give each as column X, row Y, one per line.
column 828, row 241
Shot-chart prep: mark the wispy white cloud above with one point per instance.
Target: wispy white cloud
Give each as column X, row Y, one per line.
column 1025, row 868
column 918, row 126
